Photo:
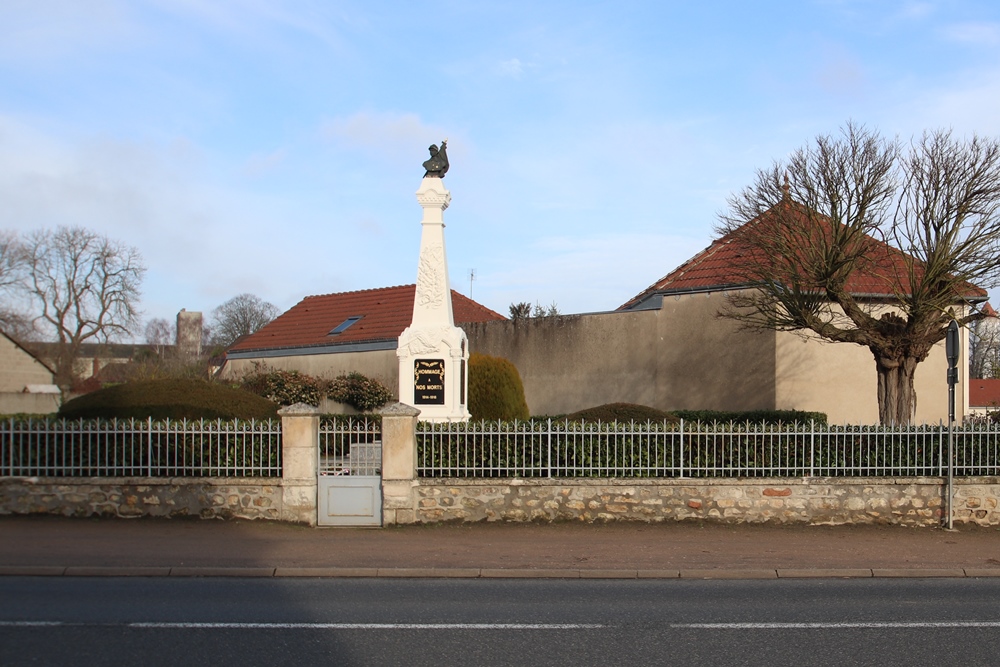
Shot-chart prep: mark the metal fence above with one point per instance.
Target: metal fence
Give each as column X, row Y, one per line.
column 139, row 448
column 350, row 446
column 693, row 449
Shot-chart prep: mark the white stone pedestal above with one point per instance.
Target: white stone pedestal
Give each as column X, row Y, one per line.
column 433, row 352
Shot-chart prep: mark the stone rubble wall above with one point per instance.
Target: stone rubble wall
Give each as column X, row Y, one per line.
column 208, row 498
column 915, row 501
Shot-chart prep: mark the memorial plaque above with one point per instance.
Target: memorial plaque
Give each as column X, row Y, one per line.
column 428, row 381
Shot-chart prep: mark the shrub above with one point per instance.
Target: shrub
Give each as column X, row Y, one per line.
column 361, row 392
column 169, row 399
column 283, row 387
column 621, row 412
column 495, row 389
column 291, row 387
column 753, row 416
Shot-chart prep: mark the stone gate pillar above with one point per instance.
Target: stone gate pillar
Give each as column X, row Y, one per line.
column 399, row 463
column 299, row 458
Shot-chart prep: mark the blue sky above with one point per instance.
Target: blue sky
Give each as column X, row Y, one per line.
column 274, row 147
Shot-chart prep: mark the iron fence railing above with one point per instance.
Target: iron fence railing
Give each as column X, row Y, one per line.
column 350, row 445
column 139, row 448
column 547, row 448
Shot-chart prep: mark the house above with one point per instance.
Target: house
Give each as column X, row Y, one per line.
column 667, row 347
column 331, row 334
column 27, row 386
column 984, row 396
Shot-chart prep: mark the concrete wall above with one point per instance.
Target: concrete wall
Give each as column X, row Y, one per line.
column 679, row 357
column 18, row 369
column 840, row 379
column 381, row 365
column 902, row 501
column 29, row 404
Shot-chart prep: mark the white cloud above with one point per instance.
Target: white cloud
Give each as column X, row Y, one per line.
column 967, row 105
column 259, row 164
column 43, row 30
column 917, row 10
column 987, row 34
column 251, row 18
column 398, row 136
column 512, row 68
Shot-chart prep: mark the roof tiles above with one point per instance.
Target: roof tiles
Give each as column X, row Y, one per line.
column 718, row 268
column 984, row 393
column 384, row 313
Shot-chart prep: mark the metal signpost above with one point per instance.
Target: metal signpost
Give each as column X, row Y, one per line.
column 951, row 349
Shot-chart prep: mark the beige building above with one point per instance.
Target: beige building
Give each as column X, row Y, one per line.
column 27, row 386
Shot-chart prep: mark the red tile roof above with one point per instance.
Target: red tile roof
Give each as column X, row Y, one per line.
column 385, row 313
column 984, row 393
column 718, row 266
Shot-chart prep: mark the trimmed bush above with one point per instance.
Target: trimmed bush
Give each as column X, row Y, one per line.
column 361, row 392
column 283, row 387
column 169, row 399
column 752, row 416
column 495, row 389
column 621, row 412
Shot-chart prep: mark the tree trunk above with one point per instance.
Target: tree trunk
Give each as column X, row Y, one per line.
column 897, row 400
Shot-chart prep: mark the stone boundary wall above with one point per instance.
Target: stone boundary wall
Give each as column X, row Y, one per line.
column 127, row 497
column 914, row 501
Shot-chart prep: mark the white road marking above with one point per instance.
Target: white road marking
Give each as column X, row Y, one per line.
column 313, row 626
column 836, row 626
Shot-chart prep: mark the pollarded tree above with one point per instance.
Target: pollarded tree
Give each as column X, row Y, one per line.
column 240, row 316
column 846, row 221
column 85, row 285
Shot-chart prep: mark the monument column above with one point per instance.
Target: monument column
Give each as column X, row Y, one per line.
column 432, row 351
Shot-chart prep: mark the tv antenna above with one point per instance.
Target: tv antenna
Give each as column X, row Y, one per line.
column 472, row 279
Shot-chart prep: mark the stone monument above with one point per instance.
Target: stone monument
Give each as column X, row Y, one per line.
column 433, row 352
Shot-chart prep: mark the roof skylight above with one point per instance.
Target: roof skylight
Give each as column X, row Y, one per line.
column 343, row 326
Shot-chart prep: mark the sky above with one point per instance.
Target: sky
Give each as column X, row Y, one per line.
column 274, row 147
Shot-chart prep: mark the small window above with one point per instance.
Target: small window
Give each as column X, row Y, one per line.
column 343, row 326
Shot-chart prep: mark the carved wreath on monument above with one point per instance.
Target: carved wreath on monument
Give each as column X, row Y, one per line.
column 430, row 278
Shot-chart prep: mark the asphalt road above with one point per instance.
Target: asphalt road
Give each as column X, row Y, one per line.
column 216, row 621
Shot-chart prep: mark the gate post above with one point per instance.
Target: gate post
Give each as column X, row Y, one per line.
column 299, row 455
column 399, row 462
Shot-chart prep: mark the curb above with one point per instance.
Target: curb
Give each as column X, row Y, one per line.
column 486, row 573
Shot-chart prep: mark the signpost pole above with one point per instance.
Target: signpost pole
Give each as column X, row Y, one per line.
column 951, row 349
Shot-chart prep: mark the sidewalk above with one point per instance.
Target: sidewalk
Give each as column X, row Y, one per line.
column 63, row 546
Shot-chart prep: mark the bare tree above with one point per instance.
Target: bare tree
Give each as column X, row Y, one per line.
column 984, row 345
column 240, row 316
column 13, row 320
column 85, row 285
column 12, row 260
column 857, row 215
column 160, row 333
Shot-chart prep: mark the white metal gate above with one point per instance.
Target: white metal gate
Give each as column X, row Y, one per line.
column 349, row 486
